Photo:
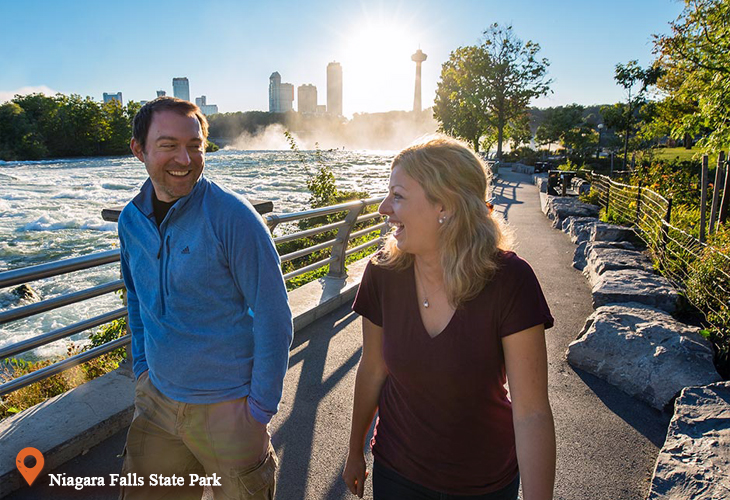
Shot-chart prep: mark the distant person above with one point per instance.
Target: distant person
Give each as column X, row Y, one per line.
column 210, row 321
column 448, row 311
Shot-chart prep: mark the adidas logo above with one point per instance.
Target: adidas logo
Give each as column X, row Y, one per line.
column 185, row 251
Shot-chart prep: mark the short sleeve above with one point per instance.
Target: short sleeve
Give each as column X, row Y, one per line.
column 368, row 299
column 523, row 304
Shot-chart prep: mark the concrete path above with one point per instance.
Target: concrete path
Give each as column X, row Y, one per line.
column 607, row 441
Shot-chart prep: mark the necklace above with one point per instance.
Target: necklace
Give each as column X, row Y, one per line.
column 425, row 302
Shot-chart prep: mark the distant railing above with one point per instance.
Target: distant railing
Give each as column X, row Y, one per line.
column 695, row 268
column 340, row 250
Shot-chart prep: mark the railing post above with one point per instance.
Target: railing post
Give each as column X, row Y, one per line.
column 638, row 204
column 716, row 190
column 665, row 230
column 703, row 198
column 339, row 248
column 608, row 194
column 725, row 194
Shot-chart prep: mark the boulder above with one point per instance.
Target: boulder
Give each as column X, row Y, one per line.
column 581, row 252
column 634, row 285
column 580, row 186
column 559, row 208
column 694, row 462
column 26, row 294
column 600, row 259
column 644, row 352
column 570, row 224
column 602, row 231
column 541, row 182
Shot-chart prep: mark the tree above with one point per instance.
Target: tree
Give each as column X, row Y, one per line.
column 487, row 88
column 629, row 76
column 696, row 61
column 457, row 106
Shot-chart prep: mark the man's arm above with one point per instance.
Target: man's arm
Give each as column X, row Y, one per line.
column 134, row 320
column 256, row 268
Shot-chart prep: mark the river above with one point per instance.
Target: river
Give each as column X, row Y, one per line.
column 51, row 210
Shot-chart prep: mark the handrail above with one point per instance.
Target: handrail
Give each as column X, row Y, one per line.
column 339, row 252
column 49, row 269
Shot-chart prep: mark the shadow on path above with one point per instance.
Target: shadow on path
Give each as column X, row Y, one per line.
column 647, row 421
column 295, row 437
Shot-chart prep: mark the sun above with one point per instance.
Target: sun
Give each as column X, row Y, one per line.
column 377, row 67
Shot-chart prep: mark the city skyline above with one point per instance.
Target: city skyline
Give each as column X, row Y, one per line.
column 234, row 47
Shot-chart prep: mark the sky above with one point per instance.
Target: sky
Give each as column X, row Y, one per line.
column 228, row 49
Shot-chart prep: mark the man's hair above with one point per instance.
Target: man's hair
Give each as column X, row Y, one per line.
column 143, row 118
column 472, row 237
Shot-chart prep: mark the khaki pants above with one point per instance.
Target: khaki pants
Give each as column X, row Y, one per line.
column 169, row 438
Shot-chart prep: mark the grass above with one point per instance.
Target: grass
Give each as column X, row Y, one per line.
column 682, row 154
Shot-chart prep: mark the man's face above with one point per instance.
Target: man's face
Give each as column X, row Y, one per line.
column 174, row 155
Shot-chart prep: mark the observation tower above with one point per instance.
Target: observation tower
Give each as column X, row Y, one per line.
column 418, row 58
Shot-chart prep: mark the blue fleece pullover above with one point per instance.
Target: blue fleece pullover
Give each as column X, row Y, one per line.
column 208, row 308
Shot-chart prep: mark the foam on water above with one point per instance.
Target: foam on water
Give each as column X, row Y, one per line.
column 51, row 210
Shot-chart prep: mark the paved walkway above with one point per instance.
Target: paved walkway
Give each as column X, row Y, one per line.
column 607, row 441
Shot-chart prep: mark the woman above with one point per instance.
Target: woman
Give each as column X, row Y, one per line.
column 447, row 310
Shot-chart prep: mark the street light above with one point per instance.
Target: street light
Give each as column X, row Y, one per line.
column 600, row 131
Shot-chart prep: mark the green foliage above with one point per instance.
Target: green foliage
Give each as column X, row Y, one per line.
column 592, row 197
column 211, row 147
column 323, row 192
column 695, row 59
column 42, row 390
column 36, row 126
column 485, row 89
column 523, row 154
column 571, row 127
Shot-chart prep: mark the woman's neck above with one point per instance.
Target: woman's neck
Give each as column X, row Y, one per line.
column 429, row 267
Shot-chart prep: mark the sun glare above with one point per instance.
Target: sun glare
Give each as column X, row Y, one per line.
column 377, row 66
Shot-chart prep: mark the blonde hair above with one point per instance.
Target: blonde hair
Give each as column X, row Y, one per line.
column 472, row 237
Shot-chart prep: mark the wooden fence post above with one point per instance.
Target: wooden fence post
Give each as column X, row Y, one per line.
column 703, row 198
column 638, row 204
column 725, row 194
column 665, row 230
column 716, row 190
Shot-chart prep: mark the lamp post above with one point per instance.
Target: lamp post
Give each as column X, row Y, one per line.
column 600, row 132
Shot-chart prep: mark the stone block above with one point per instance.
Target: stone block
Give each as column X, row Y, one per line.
column 634, row 285
column 644, row 352
column 694, row 463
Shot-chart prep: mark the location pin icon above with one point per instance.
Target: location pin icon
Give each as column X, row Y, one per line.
column 29, row 473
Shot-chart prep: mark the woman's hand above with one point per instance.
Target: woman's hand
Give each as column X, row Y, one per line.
column 355, row 473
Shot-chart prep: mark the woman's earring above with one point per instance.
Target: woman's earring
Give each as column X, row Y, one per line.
column 442, row 219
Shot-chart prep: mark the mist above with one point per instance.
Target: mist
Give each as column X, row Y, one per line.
column 390, row 131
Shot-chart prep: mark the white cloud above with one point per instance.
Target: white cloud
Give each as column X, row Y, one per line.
column 6, row 95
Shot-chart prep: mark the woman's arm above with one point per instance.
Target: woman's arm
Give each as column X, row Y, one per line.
column 525, row 358
column 370, row 377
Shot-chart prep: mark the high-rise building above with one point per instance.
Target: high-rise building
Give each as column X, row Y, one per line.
column 181, row 88
column 418, row 58
column 281, row 95
column 334, row 89
column 161, row 93
column 307, row 98
column 205, row 108
column 113, row 97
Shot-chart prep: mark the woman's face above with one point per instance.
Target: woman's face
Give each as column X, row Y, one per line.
column 416, row 219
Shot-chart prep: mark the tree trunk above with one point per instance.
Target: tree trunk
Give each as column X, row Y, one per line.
column 500, row 137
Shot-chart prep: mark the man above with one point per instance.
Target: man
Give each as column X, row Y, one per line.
column 210, row 321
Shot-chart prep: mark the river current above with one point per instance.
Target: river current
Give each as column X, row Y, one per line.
column 51, row 210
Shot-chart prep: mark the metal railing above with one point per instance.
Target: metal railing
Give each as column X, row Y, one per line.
column 700, row 271
column 340, row 249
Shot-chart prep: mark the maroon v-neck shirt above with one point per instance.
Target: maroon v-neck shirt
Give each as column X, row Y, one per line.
column 444, row 419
